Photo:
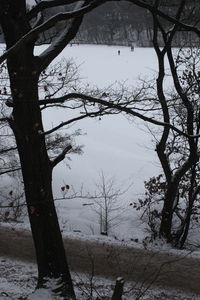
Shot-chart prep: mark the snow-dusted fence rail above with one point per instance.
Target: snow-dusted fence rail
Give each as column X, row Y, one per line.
column 165, row 269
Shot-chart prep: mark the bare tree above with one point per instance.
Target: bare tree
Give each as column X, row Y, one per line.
column 21, row 30
column 24, row 69
column 107, row 203
column 173, row 178
column 178, row 154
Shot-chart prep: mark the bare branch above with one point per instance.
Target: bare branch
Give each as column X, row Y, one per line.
column 3, row 119
column 9, row 171
column 8, row 150
column 67, row 123
column 118, row 107
column 172, row 20
column 61, row 156
column 13, row 206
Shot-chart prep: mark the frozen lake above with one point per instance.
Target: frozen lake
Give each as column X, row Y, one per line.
column 113, row 145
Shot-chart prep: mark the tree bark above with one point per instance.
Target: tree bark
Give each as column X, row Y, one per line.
column 26, row 123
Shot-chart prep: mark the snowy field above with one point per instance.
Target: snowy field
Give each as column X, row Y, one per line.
column 115, row 146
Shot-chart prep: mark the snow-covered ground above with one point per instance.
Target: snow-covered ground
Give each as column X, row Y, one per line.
column 18, row 279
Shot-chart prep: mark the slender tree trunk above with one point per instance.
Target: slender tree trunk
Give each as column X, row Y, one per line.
column 26, row 123
column 193, row 192
column 168, row 209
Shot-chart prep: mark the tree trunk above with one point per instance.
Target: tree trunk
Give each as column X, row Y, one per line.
column 167, row 212
column 37, row 175
column 26, row 123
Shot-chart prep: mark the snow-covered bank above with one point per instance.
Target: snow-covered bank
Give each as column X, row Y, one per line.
column 111, row 258
column 18, row 279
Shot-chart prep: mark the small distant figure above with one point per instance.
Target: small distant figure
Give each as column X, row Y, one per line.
column 118, row 52
column 132, row 48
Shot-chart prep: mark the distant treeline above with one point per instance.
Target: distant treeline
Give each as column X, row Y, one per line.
column 122, row 23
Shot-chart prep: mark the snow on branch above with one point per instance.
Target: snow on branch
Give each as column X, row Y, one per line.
column 60, row 43
column 47, row 4
column 152, row 8
column 32, row 34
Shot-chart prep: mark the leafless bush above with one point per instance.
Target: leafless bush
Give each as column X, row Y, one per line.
column 108, row 202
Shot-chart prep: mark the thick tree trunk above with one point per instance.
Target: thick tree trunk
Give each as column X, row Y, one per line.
column 26, row 123
column 27, row 126
column 37, row 175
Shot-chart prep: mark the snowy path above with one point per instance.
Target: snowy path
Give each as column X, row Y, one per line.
column 113, row 259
